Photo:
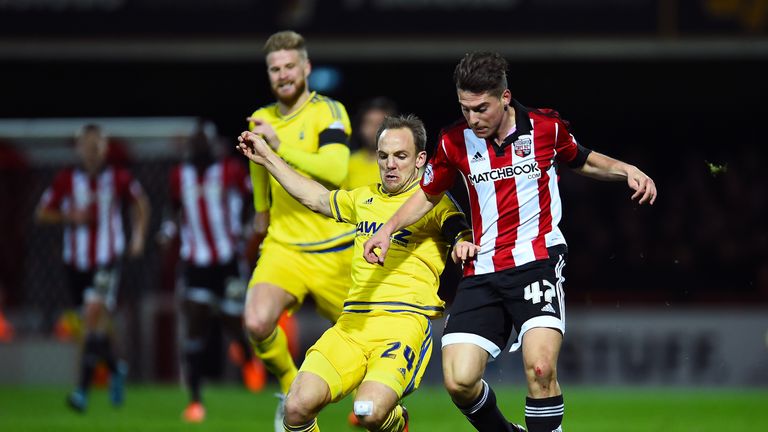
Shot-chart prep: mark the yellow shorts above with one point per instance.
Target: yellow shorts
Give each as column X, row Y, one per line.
column 324, row 276
column 388, row 348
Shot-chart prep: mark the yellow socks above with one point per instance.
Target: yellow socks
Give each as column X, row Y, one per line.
column 273, row 352
column 395, row 421
column 309, row 427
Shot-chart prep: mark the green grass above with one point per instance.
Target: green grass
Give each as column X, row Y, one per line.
column 230, row 409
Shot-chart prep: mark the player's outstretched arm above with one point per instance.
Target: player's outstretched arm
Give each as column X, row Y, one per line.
column 308, row 192
column 409, row 213
column 602, row 167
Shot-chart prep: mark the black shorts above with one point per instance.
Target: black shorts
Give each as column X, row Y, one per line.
column 487, row 307
column 219, row 285
column 94, row 285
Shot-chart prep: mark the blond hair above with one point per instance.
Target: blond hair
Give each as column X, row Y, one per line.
column 286, row 40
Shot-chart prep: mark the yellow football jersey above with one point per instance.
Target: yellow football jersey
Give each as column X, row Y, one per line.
column 363, row 170
column 409, row 279
column 291, row 223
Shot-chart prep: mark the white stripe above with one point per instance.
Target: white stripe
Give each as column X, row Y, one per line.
column 553, row 414
column 470, row 338
column 104, row 195
column 554, row 237
column 559, row 288
column 81, row 196
column 189, row 192
column 537, row 322
column 482, row 400
column 560, row 408
column 200, row 295
column 486, row 199
column 117, row 230
column 232, row 307
column 529, row 209
column 66, row 245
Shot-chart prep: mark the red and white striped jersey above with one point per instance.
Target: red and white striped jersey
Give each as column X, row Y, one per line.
column 211, row 205
column 101, row 241
column 513, row 191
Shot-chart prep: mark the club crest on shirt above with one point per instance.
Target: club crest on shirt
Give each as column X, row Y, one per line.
column 429, row 174
column 522, row 147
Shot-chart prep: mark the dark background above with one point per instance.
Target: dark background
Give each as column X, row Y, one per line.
column 674, row 87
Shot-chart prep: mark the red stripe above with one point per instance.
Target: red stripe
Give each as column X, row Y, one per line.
column 543, row 140
column 206, row 226
column 508, row 207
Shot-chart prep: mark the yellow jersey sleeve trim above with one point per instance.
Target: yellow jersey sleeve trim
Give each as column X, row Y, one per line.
column 334, row 204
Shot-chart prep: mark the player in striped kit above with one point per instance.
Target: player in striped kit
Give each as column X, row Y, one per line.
column 88, row 200
column 208, row 196
column 508, row 156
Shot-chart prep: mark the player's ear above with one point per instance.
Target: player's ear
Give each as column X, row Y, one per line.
column 421, row 159
column 506, row 98
column 307, row 68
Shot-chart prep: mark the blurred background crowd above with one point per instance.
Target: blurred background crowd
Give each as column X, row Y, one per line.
column 674, row 87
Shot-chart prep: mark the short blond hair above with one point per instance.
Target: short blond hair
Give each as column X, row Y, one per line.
column 286, row 40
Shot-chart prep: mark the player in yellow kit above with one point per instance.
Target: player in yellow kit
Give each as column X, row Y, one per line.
column 382, row 341
column 303, row 253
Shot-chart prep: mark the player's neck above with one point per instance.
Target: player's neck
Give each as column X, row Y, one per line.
column 287, row 107
column 507, row 126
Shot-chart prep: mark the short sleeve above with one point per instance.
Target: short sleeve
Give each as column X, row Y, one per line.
column 342, row 206
column 334, row 124
column 568, row 149
column 54, row 194
column 439, row 174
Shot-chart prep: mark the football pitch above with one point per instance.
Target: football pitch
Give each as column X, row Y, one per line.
column 232, row 409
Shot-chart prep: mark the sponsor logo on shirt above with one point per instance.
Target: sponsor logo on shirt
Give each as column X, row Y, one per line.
column 366, row 228
column 529, row 170
column 477, row 158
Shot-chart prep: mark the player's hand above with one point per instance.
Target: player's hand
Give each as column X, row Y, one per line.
column 464, row 251
column 136, row 248
column 253, row 147
column 79, row 217
column 644, row 187
column 263, row 128
column 380, row 241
